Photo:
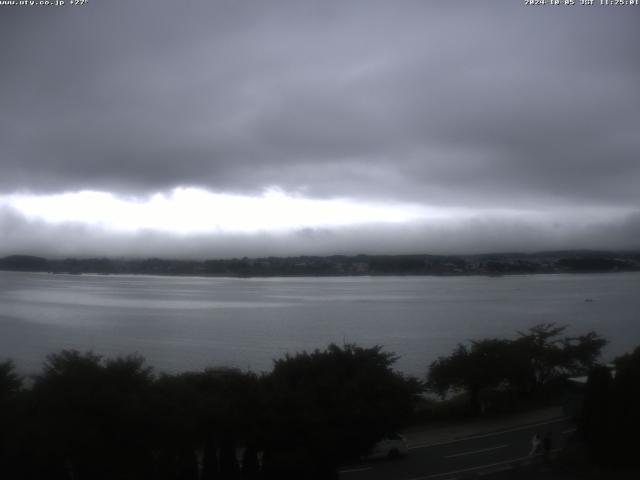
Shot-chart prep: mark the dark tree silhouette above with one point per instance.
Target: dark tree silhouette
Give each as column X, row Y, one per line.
column 625, row 408
column 486, row 364
column 250, row 464
column 610, row 418
column 552, row 357
column 594, row 423
column 523, row 365
column 10, row 381
column 175, row 406
column 332, row 405
column 90, row 416
column 207, row 413
column 10, row 388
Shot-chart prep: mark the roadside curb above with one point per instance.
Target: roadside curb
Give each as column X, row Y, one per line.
column 485, row 432
column 515, row 427
column 484, row 470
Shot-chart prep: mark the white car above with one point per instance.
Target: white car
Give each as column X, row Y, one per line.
column 391, row 447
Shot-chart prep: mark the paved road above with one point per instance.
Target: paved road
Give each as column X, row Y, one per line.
column 477, row 454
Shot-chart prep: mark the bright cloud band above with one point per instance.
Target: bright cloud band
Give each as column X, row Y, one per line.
column 192, row 210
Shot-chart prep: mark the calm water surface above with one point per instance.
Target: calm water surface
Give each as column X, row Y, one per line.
column 181, row 323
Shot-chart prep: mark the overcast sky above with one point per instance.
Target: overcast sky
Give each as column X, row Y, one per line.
column 220, row 128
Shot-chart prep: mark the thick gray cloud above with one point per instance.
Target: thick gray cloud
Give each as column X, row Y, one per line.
column 473, row 103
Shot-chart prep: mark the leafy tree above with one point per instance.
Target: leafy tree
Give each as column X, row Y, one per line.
column 582, row 352
column 10, row 381
column 625, row 407
column 125, row 420
column 250, row 464
column 486, row 364
column 544, row 351
column 594, row 423
column 10, row 388
column 523, row 365
column 551, row 356
column 231, row 411
column 175, row 406
column 91, row 417
column 332, row 405
column 87, row 417
column 207, row 412
column 610, row 419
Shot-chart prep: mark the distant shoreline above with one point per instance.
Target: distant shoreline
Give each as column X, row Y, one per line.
column 490, row 265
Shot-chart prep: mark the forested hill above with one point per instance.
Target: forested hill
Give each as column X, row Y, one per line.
column 486, row 264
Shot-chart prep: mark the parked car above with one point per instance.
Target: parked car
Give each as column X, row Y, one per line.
column 391, row 447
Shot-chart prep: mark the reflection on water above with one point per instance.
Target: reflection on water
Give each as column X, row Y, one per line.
column 183, row 323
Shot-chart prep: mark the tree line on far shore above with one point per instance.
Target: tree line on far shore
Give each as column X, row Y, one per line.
column 419, row 264
column 88, row 417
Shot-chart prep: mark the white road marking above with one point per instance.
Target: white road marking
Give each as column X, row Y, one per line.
column 492, row 434
column 481, row 467
column 353, row 470
column 488, row 449
column 568, row 431
column 470, row 469
column 502, row 468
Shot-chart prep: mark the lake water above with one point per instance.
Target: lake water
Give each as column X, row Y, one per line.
column 181, row 323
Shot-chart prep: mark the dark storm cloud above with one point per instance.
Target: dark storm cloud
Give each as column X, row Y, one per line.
column 450, row 103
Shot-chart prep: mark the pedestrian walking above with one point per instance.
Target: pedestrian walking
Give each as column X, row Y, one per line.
column 535, row 445
column 547, row 443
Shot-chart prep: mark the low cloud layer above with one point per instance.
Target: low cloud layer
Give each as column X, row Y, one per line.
column 460, row 105
column 471, row 235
